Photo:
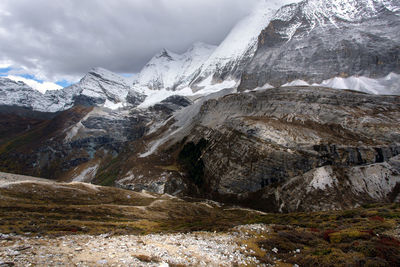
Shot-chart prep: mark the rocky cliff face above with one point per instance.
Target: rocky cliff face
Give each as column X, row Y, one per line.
column 259, row 147
column 315, row 40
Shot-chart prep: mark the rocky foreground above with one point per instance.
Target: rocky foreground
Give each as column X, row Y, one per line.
column 180, row 249
column 78, row 224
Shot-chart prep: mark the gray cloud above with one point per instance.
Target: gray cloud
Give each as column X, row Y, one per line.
column 57, row 39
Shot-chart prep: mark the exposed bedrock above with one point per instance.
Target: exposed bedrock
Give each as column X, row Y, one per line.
column 260, row 141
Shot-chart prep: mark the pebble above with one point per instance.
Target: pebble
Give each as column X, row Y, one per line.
column 13, row 253
column 195, row 249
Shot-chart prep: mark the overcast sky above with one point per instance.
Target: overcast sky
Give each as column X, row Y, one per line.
column 61, row 40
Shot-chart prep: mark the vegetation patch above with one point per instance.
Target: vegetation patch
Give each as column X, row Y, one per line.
column 366, row 236
column 108, row 173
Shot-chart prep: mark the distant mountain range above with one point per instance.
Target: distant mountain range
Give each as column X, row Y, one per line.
column 340, row 44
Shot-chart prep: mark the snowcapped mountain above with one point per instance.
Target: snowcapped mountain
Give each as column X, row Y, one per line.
column 14, row 93
column 317, row 40
column 331, row 11
column 103, row 87
column 204, row 65
column 234, row 53
column 342, row 44
column 101, row 83
column 99, row 87
column 171, row 71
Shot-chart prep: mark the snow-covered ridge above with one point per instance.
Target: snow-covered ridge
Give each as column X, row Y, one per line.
column 324, row 12
column 204, row 69
column 14, row 93
column 347, row 10
column 204, row 66
column 389, row 85
column 99, row 87
column 100, row 82
column 170, row 71
column 240, row 44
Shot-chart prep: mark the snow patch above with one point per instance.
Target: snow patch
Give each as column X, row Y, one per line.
column 208, row 87
column 40, row 86
column 261, row 88
column 296, row 83
column 87, row 174
column 388, row 85
column 112, row 105
column 74, row 129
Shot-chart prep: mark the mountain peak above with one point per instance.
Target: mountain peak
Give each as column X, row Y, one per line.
column 230, row 57
column 8, row 82
column 99, row 70
column 200, row 45
column 319, row 11
column 164, row 53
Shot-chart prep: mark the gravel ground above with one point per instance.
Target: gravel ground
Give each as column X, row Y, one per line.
column 191, row 249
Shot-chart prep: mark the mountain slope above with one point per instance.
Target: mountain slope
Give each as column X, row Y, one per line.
column 339, row 148
column 19, row 94
column 171, row 71
column 319, row 40
column 99, row 87
column 234, row 53
column 202, row 65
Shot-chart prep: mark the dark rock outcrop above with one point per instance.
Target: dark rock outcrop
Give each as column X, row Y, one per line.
column 171, row 104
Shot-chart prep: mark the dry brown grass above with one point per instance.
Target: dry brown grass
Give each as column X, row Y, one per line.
column 367, row 235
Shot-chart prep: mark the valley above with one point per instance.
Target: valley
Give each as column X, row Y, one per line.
column 278, row 147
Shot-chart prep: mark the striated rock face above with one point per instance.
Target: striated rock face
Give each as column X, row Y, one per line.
column 275, row 141
column 332, row 187
column 316, row 40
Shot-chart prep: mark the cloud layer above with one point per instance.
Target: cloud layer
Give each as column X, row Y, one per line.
column 61, row 40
